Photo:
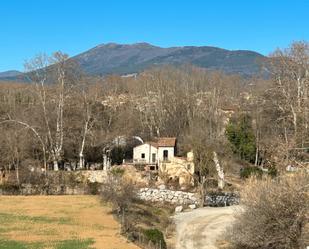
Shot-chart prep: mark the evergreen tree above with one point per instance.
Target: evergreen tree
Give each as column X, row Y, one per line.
column 241, row 136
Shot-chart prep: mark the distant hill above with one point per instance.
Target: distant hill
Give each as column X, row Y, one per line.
column 8, row 74
column 122, row 59
column 125, row 59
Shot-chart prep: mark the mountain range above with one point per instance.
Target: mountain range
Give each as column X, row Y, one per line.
column 10, row 73
column 122, row 59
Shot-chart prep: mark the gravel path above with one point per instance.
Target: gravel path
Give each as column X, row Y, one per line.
column 201, row 228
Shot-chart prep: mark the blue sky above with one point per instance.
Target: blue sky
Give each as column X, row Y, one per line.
column 28, row 27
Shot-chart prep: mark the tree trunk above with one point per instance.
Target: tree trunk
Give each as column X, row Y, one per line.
column 17, row 173
column 219, row 170
column 202, row 190
column 81, row 161
column 56, row 167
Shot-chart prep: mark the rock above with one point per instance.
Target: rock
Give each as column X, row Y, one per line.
column 162, row 187
column 192, row 206
column 178, row 209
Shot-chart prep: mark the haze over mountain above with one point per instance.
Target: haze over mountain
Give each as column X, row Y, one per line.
column 10, row 73
column 124, row 59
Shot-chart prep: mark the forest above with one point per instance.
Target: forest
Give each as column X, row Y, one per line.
column 63, row 115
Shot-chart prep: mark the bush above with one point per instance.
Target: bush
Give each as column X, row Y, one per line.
column 93, row 188
column 251, row 171
column 272, row 171
column 117, row 172
column 156, row 237
column 10, row 188
column 119, row 191
column 240, row 134
column 273, row 214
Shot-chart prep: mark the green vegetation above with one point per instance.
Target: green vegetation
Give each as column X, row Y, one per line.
column 117, row 172
column 10, row 218
column 241, row 136
column 93, row 188
column 251, row 171
column 65, row 244
column 74, row 244
column 156, row 237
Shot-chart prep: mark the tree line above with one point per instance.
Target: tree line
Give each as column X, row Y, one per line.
column 63, row 115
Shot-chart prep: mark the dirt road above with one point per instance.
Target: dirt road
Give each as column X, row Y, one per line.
column 201, row 228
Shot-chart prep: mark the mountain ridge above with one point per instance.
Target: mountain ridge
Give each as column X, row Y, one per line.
column 114, row 58
column 122, row 59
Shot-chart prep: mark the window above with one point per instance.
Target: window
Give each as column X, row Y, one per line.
column 154, row 157
column 165, row 155
column 188, row 167
column 143, row 155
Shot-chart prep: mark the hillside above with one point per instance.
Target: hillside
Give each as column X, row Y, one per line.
column 124, row 59
column 9, row 74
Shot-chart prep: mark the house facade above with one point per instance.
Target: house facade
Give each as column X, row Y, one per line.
column 145, row 154
column 161, row 155
column 161, row 150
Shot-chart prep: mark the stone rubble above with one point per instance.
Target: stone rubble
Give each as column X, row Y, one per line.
column 220, row 199
column 178, row 209
column 165, row 195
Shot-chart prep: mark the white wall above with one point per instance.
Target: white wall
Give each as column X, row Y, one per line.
column 171, row 153
column 147, row 150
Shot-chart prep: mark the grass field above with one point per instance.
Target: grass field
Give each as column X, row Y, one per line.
column 58, row 222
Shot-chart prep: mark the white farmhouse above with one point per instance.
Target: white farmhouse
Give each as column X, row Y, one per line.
column 152, row 153
column 161, row 155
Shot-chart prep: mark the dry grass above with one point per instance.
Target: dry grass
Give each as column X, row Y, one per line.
column 274, row 215
column 51, row 221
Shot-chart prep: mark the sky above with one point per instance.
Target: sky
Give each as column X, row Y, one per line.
column 30, row 27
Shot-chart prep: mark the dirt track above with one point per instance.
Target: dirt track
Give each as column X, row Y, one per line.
column 201, row 228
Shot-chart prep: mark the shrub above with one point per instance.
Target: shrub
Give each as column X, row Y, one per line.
column 240, row 134
column 250, row 171
column 10, row 188
column 272, row 171
column 93, row 188
column 156, row 237
column 119, row 191
column 273, row 214
column 117, row 172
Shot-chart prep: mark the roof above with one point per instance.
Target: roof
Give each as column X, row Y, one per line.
column 166, row 142
column 162, row 142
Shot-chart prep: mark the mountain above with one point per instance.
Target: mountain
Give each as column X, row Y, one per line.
column 123, row 59
column 9, row 74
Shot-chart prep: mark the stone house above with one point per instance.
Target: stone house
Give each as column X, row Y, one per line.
column 155, row 152
column 161, row 155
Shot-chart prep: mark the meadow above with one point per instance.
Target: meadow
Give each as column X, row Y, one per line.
column 58, row 222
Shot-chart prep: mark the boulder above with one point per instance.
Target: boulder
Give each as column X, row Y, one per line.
column 192, row 206
column 162, row 187
column 178, row 209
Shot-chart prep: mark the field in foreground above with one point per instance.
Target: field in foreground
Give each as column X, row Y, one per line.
column 58, row 222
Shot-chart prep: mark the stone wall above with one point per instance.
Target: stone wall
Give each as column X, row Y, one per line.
column 98, row 176
column 187, row 198
column 30, row 189
column 165, row 195
column 221, row 199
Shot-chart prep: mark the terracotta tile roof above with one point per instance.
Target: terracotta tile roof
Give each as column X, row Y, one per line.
column 162, row 142
column 166, row 142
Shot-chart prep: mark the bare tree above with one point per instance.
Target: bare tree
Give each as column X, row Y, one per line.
column 43, row 70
